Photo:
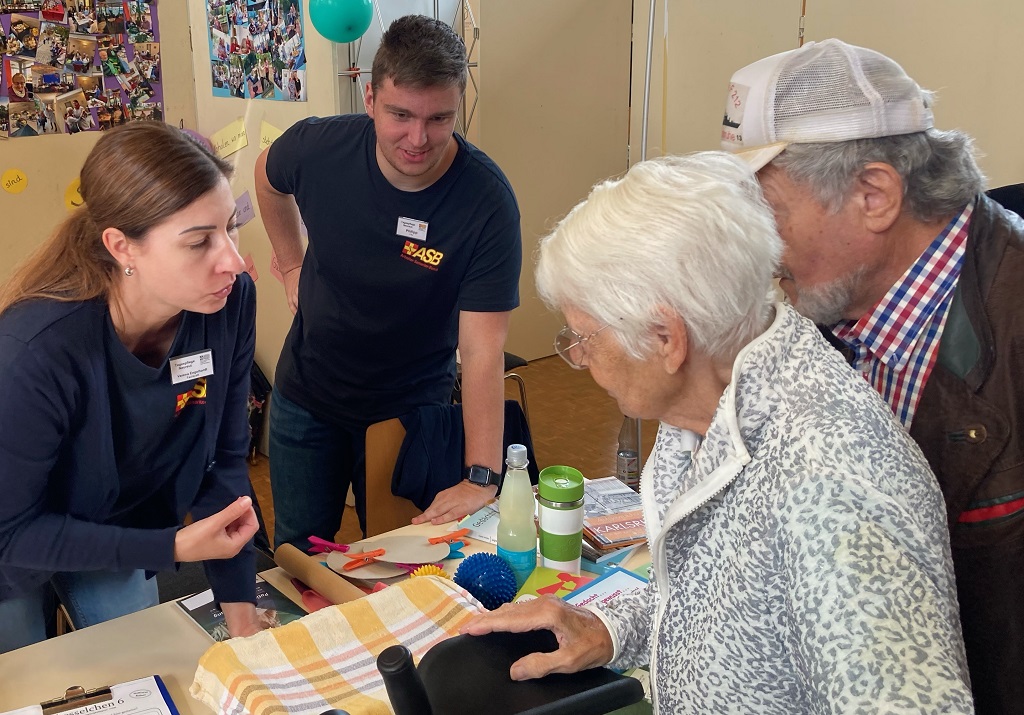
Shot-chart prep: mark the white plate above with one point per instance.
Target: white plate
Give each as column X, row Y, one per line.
column 372, row 571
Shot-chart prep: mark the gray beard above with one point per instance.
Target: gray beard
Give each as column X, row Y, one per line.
column 829, row 303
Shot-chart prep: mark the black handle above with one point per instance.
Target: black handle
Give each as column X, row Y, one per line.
column 405, row 689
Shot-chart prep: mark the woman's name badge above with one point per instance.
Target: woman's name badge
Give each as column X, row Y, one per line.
column 412, row 228
column 191, row 366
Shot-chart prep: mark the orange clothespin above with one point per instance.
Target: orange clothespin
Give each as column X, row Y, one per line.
column 449, row 538
column 364, row 559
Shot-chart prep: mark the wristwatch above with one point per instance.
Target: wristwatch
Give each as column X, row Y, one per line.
column 482, row 476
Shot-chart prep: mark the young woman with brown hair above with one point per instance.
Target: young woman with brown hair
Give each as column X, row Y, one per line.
column 126, row 341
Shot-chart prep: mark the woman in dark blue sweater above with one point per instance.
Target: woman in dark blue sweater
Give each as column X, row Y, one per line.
column 125, row 347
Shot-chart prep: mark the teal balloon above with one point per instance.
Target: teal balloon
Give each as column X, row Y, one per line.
column 341, row 20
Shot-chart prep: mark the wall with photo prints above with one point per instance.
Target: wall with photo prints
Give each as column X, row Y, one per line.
column 76, row 66
column 257, row 49
column 56, row 47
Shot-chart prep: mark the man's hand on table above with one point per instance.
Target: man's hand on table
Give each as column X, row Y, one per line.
column 456, row 502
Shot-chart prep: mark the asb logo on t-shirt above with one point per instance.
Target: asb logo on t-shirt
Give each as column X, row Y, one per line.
column 422, row 256
column 195, row 396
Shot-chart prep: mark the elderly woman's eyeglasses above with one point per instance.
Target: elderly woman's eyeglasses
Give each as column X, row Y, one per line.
column 568, row 340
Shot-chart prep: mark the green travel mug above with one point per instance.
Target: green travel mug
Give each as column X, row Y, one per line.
column 560, row 493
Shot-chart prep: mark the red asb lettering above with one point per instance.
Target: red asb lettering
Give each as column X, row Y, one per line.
column 421, row 255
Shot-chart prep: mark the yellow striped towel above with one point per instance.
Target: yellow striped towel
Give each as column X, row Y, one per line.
column 328, row 658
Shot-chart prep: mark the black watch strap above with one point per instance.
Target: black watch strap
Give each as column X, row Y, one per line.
column 482, row 476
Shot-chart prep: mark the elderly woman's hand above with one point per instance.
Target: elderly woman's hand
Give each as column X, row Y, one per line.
column 583, row 640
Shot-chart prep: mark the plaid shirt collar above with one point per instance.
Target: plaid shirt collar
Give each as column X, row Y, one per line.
column 892, row 329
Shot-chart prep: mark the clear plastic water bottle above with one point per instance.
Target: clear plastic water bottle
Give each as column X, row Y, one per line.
column 627, row 456
column 517, row 532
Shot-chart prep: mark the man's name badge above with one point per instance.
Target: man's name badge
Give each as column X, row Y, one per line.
column 412, row 228
column 191, row 366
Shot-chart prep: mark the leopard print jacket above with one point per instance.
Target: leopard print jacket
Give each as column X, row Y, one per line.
column 800, row 558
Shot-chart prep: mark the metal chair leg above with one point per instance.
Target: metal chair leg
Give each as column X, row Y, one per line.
column 64, row 624
column 522, row 393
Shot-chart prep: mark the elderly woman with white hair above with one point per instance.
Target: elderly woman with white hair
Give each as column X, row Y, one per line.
column 800, row 556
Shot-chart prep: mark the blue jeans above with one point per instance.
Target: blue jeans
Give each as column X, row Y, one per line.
column 90, row 597
column 312, row 464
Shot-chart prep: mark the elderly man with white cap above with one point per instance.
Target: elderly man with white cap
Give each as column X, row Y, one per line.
column 892, row 247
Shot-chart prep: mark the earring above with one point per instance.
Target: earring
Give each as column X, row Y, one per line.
column 129, row 271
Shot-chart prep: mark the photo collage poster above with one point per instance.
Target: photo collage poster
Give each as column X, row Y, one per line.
column 257, row 50
column 73, row 66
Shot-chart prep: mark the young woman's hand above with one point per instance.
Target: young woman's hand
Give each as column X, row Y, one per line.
column 219, row 536
column 241, row 619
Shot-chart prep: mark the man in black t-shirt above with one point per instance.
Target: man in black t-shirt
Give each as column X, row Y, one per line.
column 414, row 249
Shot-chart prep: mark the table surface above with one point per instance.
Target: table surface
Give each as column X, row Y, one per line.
column 162, row 641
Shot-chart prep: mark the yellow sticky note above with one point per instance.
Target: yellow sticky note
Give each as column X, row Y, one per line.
column 268, row 134
column 14, row 181
column 230, row 139
column 73, row 194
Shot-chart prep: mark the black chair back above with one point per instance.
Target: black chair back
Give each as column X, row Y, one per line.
column 469, row 675
column 1010, row 197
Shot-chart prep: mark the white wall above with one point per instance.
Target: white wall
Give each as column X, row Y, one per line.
column 706, row 43
column 970, row 54
column 554, row 116
column 213, row 113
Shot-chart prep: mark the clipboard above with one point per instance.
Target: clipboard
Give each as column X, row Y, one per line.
column 145, row 696
column 74, row 697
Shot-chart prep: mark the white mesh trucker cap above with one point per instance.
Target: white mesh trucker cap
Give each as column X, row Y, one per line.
column 825, row 91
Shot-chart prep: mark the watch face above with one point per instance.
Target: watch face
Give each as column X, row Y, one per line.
column 480, row 475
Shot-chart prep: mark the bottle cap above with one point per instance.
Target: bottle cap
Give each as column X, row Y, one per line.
column 516, row 456
column 560, row 484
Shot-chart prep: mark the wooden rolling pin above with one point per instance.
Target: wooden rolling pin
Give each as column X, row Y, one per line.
column 315, row 575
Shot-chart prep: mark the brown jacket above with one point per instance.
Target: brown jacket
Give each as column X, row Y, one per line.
column 970, row 426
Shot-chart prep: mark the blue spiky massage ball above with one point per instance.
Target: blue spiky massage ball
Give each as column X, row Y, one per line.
column 488, row 578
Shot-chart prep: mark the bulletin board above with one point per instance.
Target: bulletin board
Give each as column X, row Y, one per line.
column 257, row 49
column 73, row 66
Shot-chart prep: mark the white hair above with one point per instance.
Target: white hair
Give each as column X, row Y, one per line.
column 691, row 234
